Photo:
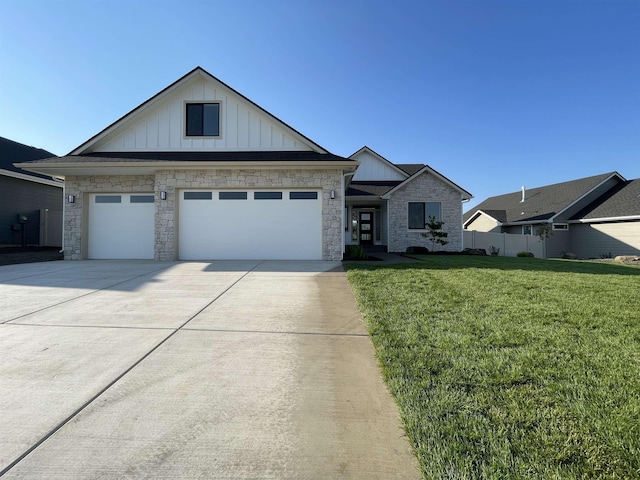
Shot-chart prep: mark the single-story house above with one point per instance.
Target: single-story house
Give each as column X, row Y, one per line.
column 200, row 172
column 590, row 217
column 389, row 204
column 30, row 203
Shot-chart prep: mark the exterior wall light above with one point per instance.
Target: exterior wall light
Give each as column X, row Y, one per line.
column 333, row 194
column 163, row 195
column 71, row 198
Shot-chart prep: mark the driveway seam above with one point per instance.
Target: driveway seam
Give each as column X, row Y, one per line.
column 79, row 410
column 267, row 332
column 81, row 296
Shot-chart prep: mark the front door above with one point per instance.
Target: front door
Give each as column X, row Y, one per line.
column 366, row 228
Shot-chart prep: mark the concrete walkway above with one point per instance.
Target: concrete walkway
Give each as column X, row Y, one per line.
column 242, row 369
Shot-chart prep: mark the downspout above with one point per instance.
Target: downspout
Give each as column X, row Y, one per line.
column 462, row 217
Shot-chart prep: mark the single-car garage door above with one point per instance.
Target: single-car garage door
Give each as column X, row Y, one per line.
column 250, row 224
column 121, row 226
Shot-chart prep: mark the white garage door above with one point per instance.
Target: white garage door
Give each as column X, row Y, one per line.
column 121, row 226
column 250, row 224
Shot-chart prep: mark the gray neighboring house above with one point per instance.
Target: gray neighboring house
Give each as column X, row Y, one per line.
column 590, row 217
column 200, row 172
column 30, row 203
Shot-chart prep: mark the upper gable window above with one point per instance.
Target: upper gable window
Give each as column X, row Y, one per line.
column 203, row 119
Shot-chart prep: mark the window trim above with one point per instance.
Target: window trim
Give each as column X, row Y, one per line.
column 563, row 227
column 424, row 212
column 185, row 134
column 530, row 230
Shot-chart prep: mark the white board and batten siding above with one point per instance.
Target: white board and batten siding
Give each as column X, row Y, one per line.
column 250, row 228
column 373, row 168
column 160, row 125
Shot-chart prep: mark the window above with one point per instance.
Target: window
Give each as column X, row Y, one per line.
column 527, row 230
column 203, row 119
column 419, row 213
column 232, row 195
column 267, row 196
column 561, row 226
column 303, row 195
column 198, row 195
column 108, row 198
column 142, row 199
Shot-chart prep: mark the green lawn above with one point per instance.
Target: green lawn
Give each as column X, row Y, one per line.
column 510, row 367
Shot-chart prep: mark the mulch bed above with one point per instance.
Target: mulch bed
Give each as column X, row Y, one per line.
column 16, row 255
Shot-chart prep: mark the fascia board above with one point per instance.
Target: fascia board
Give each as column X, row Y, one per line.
column 606, row 219
column 579, row 199
column 141, row 168
column 30, row 178
column 427, row 168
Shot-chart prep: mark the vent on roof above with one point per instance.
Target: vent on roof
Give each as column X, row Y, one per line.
column 524, row 190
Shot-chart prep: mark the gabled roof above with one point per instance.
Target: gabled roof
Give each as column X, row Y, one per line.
column 81, row 149
column 621, row 202
column 410, row 168
column 13, row 152
column 427, row 169
column 376, row 155
column 498, row 216
column 370, row 188
column 541, row 203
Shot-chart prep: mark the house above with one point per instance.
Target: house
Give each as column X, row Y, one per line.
column 590, row 217
column 389, row 204
column 30, row 203
column 200, row 172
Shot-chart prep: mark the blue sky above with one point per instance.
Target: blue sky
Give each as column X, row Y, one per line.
column 492, row 94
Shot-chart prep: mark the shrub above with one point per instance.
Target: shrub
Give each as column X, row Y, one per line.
column 356, row 251
column 525, row 254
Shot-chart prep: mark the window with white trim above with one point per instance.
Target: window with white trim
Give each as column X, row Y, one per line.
column 560, row 226
column 527, row 230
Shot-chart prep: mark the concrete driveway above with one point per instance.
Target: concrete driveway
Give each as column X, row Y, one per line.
column 243, row 369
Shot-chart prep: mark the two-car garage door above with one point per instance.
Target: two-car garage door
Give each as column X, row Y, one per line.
column 250, row 224
column 212, row 225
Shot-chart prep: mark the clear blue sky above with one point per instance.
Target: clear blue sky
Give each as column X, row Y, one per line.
column 493, row 94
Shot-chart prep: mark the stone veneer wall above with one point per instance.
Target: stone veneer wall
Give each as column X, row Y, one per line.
column 166, row 239
column 75, row 217
column 426, row 188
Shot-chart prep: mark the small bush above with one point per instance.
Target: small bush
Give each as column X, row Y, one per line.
column 356, row 252
column 525, row 254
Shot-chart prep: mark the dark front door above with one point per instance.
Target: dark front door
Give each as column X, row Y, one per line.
column 366, row 228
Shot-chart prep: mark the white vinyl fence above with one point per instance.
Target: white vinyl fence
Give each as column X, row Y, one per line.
column 508, row 243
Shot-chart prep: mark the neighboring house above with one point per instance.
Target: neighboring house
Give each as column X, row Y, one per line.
column 30, row 203
column 590, row 217
column 389, row 204
column 200, row 172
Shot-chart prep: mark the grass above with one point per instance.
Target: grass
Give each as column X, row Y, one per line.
column 510, row 367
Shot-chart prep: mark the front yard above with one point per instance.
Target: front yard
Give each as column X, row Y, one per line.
column 510, row 367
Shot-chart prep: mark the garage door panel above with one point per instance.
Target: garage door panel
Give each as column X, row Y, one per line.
column 121, row 226
column 250, row 229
